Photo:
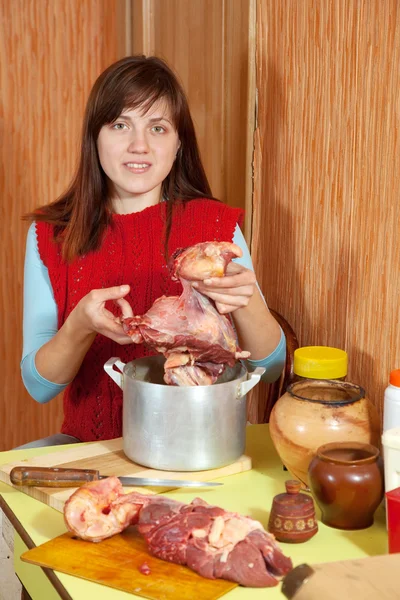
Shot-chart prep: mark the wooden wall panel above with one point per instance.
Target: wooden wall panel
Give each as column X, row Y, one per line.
column 207, row 44
column 50, row 51
column 373, row 310
column 326, row 243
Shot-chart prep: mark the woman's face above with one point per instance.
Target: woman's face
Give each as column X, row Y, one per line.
column 137, row 152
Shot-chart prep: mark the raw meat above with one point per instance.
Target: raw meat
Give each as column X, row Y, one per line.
column 197, row 341
column 207, row 259
column 99, row 509
column 209, row 540
column 213, row 542
column 145, row 569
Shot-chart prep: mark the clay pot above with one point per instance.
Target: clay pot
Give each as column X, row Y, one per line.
column 347, row 482
column 315, row 412
column 292, row 517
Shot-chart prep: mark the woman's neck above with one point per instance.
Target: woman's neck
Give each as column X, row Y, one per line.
column 125, row 205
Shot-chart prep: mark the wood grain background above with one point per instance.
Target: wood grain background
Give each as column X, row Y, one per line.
column 50, row 54
column 326, row 238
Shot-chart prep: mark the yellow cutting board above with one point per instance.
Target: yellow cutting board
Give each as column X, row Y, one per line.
column 115, row 562
column 109, row 459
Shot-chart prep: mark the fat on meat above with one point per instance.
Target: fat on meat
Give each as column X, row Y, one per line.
column 197, row 341
column 208, row 539
column 99, row 509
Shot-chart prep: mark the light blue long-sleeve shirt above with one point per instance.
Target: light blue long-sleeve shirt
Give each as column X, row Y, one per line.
column 40, row 321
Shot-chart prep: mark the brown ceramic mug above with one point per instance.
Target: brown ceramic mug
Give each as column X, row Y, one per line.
column 346, row 480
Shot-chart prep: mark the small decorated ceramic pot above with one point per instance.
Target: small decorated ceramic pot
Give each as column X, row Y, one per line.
column 292, row 518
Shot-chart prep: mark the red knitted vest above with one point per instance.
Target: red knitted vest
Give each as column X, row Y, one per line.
column 132, row 252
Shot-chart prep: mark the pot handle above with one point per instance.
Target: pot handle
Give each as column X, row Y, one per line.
column 115, row 375
column 254, row 378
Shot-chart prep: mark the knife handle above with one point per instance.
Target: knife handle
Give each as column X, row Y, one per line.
column 51, row 476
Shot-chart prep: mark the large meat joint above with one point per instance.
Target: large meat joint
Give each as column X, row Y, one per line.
column 209, row 540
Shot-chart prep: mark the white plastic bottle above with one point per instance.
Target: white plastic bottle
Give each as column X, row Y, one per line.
column 391, row 434
column 391, row 404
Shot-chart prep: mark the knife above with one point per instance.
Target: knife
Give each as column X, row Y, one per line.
column 58, row 477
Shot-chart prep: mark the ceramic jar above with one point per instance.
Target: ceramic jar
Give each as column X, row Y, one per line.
column 315, row 412
column 292, row 518
column 346, row 480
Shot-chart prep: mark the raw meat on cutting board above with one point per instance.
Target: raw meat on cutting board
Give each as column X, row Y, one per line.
column 209, row 540
column 197, row 341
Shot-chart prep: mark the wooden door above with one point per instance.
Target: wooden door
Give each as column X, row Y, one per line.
column 51, row 51
column 210, row 45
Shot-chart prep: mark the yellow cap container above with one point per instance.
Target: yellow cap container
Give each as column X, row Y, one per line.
column 320, row 362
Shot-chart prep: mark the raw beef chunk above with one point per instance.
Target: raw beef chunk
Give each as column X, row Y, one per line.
column 197, row 341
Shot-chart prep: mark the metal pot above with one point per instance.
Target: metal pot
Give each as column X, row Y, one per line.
column 186, row 428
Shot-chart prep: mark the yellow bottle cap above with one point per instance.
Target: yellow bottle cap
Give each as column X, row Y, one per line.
column 320, row 362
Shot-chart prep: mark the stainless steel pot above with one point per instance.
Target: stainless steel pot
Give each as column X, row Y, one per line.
column 182, row 428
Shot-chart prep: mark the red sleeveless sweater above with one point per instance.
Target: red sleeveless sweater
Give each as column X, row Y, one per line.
column 132, row 252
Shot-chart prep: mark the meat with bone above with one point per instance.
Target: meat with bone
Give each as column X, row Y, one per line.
column 209, row 540
column 197, row 341
column 207, row 259
column 100, row 509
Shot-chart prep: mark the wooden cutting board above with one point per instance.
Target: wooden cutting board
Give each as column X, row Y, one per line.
column 109, row 459
column 115, row 562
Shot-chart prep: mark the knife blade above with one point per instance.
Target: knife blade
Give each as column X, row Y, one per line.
column 60, row 477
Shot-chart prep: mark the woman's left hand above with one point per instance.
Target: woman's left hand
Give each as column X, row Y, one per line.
column 230, row 292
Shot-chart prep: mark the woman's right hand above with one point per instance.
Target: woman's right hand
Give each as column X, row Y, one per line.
column 60, row 358
column 90, row 315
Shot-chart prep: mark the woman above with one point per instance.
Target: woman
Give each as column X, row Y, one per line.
column 140, row 193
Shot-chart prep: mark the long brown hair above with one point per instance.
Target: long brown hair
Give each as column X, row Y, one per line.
column 81, row 214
